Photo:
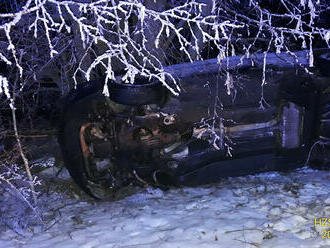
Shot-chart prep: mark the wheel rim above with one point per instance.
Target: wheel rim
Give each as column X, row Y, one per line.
column 100, row 170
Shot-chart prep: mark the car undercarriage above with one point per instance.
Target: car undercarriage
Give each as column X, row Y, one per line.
column 200, row 136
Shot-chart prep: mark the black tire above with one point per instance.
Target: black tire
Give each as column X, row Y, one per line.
column 314, row 96
column 78, row 114
column 82, row 106
column 304, row 92
column 142, row 92
column 319, row 157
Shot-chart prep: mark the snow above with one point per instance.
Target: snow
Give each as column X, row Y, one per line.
column 273, row 209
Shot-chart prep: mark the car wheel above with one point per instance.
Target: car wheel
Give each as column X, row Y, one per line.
column 142, row 92
column 319, row 155
column 88, row 140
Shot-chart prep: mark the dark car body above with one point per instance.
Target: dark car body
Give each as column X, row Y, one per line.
column 203, row 134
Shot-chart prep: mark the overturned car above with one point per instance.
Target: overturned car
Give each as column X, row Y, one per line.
column 143, row 134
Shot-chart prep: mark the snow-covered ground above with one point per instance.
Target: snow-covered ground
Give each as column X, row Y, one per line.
column 266, row 210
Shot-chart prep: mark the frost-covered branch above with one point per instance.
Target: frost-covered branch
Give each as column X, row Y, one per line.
column 116, row 34
column 127, row 38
